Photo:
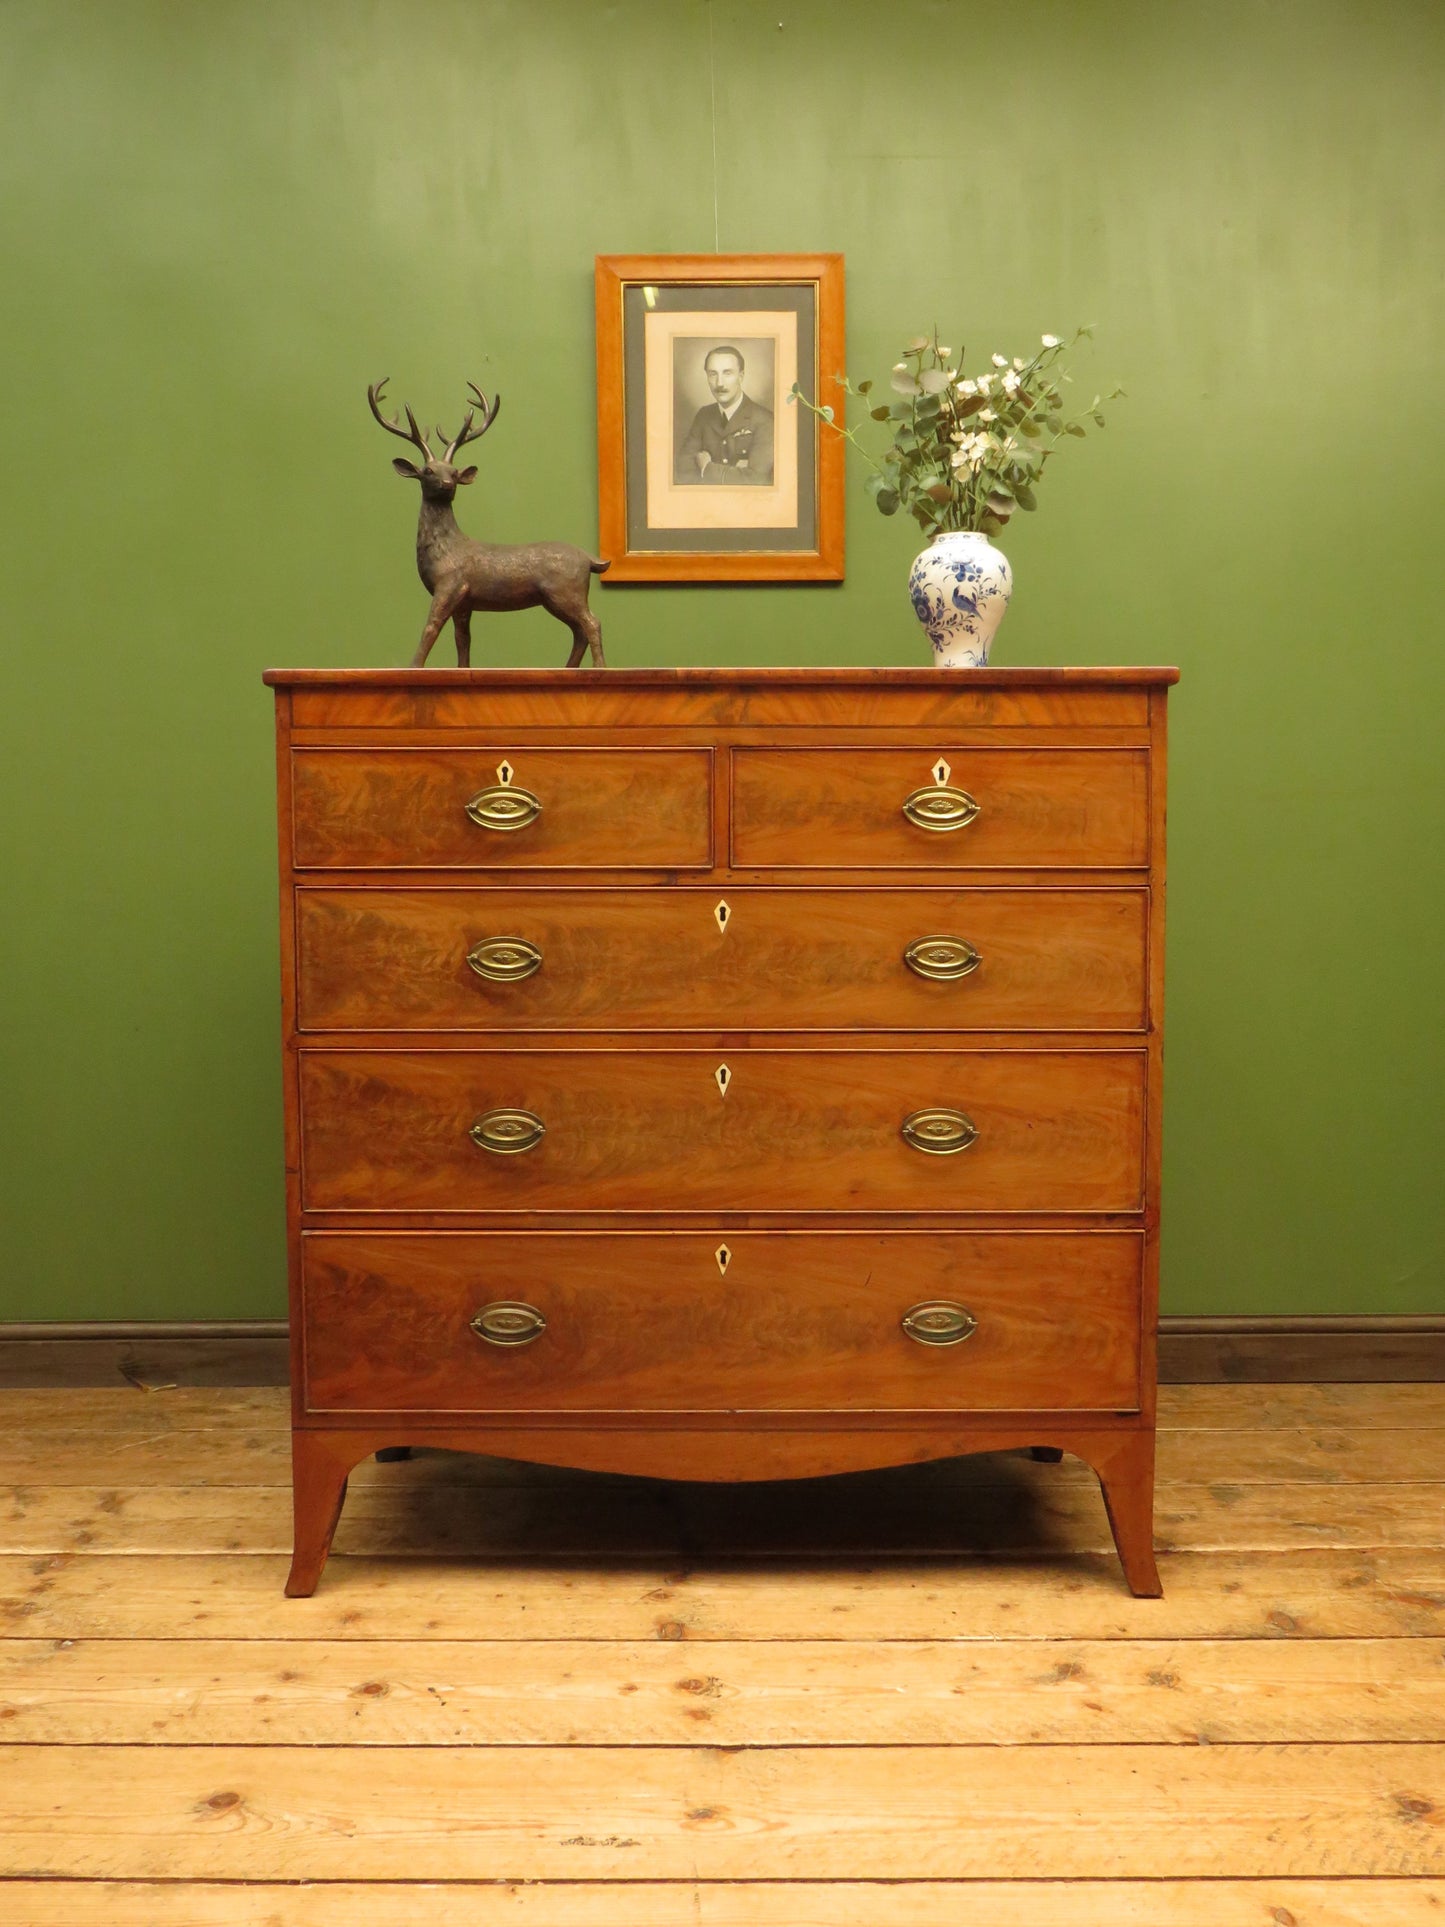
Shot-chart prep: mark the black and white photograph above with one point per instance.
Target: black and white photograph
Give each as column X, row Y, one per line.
column 723, row 398
column 707, row 470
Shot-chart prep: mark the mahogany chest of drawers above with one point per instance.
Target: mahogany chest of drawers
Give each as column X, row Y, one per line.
column 723, row 1074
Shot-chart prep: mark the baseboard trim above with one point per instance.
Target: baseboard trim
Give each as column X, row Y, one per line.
column 1192, row 1351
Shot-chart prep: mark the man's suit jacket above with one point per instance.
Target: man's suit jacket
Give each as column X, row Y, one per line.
column 740, row 450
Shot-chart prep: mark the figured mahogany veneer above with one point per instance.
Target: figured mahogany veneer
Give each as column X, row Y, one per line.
column 647, row 1322
column 680, row 960
column 650, row 1131
column 781, row 959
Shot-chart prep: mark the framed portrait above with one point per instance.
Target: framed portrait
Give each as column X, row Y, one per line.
column 706, row 471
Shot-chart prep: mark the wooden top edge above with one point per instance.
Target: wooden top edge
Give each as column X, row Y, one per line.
column 926, row 678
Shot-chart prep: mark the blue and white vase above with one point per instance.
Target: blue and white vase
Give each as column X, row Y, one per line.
column 960, row 587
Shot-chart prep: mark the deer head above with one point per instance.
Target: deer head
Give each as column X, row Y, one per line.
column 439, row 479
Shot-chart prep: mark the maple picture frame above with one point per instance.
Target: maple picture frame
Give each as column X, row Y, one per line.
column 706, row 471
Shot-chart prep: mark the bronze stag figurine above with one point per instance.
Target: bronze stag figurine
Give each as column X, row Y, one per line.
column 463, row 575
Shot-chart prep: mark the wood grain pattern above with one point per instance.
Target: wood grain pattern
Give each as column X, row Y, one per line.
column 758, row 1693
column 1389, row 1902
column 88, row 1452
column 647, row 1322
column 387, row 808
column 1301, row 1591
column 899, row 1516
column 1057, row 1131
column 265, row 1813
column 839, row 808
column 784, row 960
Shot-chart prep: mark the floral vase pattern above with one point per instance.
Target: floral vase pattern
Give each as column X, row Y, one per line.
column 960, row 587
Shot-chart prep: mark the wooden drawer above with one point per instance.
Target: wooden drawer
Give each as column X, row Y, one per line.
column 647, row 1322
column 770, row 960
column 614, row 809
column 653, row 1131
column 844, row 809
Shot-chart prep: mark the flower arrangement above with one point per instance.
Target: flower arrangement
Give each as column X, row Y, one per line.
column 967, row 450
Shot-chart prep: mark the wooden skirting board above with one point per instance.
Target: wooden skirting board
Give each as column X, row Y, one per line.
column 1192, row 1351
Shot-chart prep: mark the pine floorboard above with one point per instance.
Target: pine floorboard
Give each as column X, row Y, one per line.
column 528, row 1696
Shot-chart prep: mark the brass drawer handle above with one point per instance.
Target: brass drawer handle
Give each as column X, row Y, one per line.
column 503, row 806
column 939, row 1321
column 942, row 958
column 941, row 806
column 507, row 1131
column 509, row 1322
column 504, row 960
column 939, row 1132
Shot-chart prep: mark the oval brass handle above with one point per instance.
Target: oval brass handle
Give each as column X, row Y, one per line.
column 504, row 960
column 509, row 1322
column 938, row 1321
column 942, row 958
column 941, row 806
column 504, row 807
column 939, row 1132
column 507, row 1131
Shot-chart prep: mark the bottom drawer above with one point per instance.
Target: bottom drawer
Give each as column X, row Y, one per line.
column 690, row 1322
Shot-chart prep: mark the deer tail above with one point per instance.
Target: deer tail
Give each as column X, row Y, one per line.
column 597, row 566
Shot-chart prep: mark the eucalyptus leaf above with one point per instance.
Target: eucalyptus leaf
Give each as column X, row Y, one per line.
column 887, row 500
column 872, row 483
column 901, row 411
column 826, row 413
column 1000, row 505
column 881, row 414
column 933, row 381
column 864, row 388
column 1074, row 428
column 1024, row 496
column 990, row 524
column 939, row 491
column 1031, row 429
column 902, row 382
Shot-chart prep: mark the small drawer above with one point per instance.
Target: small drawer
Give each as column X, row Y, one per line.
column 690, row 959
column 755, row 1130
column 713, row 1322
column 911, row 809
column 491, row 809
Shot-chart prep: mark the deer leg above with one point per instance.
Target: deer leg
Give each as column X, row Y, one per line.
column 587, row 634
column 462, row 630
column 443, row 604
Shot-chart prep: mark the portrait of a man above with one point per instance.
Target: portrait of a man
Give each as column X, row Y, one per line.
column 730, row 442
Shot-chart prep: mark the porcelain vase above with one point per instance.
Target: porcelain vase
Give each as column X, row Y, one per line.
column 960, row 587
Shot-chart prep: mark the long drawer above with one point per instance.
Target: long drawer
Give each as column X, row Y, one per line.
column 482, row 809
column 655, row 1322
column 507, row 959
column 678, row 1131
column 906, row 809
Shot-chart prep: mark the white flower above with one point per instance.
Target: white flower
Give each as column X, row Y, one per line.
column 1049, row 341
column 999, row 361
column 983, row 384
column 1018, row 363
column 986, row 415
column 1010, row 383
column 966, row 387
column 945, row 352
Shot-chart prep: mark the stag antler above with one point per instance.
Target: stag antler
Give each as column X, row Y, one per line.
column 394, row 427
column 466, row 433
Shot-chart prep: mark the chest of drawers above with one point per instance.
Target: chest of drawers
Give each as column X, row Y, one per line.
column 723, row 1074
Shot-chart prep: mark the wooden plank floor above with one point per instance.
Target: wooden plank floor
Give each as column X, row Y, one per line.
column 908, row 1699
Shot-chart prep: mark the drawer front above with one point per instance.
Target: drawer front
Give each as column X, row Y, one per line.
column 845, row 808
column 488, row 809
column 679, row 1131
column 506, row 960
column 655, row 1322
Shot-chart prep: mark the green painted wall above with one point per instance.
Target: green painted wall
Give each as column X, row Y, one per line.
column 221, row 220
